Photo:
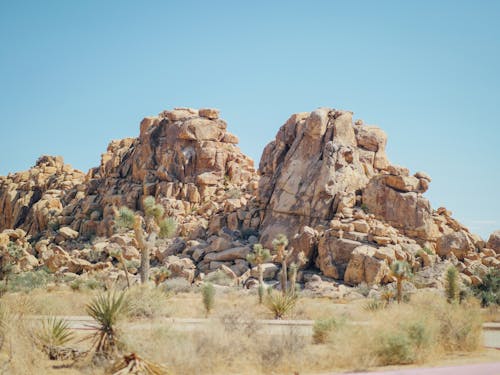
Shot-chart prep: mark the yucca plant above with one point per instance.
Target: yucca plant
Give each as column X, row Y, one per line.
column 401, row 270
column 294, row 268
column 280, row 304
column 106, row 309
column 54, row 333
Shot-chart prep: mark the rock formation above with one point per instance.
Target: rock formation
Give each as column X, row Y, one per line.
column 325, row 182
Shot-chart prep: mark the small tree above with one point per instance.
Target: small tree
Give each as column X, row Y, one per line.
column 147, row 230
column 401, row 270
column 257, row 257
column 280, row 243
column 294, row 267
column 451, row 285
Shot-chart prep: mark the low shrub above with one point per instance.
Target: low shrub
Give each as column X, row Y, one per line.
column 208, row 297
column 30, row 280
column 176, row 285
column 280, row 304
column 322, row 329
column 146, row 302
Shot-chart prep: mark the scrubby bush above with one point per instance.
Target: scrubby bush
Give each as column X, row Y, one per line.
column 208, row 297
column 489, row 291
column 144, row 301
column 451, row 284
column 176, row 285
column 30, row 280
column 219, row 278
column 322, row 329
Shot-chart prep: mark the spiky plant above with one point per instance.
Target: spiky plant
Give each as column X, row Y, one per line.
column 208, row 297
column 451, row 286
column 280, row 243
column 401, row 270
column 54, row 332
column 258, row 256
column 261, row 292
column 106, row 309
column 280, row 304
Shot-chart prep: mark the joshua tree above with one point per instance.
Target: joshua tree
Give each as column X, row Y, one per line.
column 451, row 284
column 294, row 267
column 257, row 257
column 401, row 271
column 280, row 243
column 147, row 230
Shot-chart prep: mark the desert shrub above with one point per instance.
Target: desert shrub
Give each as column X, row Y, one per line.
column 219, row 278
column 280, row 348
column 93, row 284
column 76, row 284
column 322, row 329
column 451, row 284
column 208, row 297
column 146, row 302
column 363, row 289
column 176, row 285
column 168, row 227
column 30, row 280
column 374, row 305
column 280, row 304
column 489, row 291
column 394, row 348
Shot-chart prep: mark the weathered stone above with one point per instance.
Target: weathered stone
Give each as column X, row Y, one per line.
column 457, row 243
column 494, row 241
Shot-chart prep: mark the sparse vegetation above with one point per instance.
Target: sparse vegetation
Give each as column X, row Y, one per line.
column 54, row 332
column 208, row 297
column 451, row 285
column 489, row 291
column 280, row 304
column 401, row 270
column 322, row 329
column 106, row 309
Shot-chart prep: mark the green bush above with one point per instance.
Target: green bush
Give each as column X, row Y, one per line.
column 208, row 296
column 489, row 291
column 146, row 302
column 451, row 284
column 394, row 348
column 30, row 280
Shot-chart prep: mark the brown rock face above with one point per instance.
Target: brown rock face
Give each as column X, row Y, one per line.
column 311, row 166
column 494, row 241
column 33, row 199
column 403, row 209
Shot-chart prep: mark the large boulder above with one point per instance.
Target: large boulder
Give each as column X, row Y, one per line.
column 334, row 254
column 457, row 243
column 494, row 241
column 364, row 267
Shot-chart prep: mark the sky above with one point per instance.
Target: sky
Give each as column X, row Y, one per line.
column 76, row 74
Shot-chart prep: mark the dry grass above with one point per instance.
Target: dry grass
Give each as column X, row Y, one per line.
column 422, row 331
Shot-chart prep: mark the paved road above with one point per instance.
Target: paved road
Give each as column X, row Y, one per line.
column 481, row 369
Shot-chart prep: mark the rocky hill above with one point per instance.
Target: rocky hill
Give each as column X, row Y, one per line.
column 325, row 182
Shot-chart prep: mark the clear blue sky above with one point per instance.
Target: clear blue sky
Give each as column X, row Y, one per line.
column 76, row 74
